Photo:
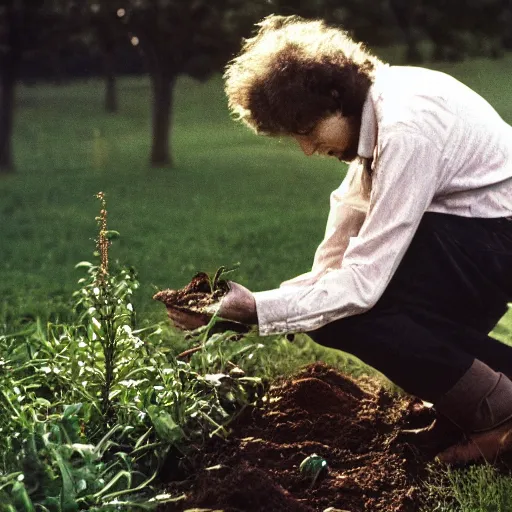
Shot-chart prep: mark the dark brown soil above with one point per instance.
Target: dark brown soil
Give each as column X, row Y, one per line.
column 195, row 296
column 357, row 426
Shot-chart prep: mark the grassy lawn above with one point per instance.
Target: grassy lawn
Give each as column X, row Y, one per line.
column 231, row 196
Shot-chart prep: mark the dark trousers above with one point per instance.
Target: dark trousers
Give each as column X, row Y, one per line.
column 433, row 320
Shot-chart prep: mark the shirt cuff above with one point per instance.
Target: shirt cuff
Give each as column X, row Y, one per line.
column 272, row 307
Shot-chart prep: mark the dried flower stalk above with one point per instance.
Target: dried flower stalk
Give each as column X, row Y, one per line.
column 102, row 242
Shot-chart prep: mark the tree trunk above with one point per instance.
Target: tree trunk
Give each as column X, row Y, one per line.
column 413, row 54
column 7, row 95
column 110, row 82
column 9, row 66
column 58, row 74
column 407, row 15
column 163, row 86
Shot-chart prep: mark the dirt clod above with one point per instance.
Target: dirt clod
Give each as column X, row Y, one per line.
column 196, row 295
column 197, row 298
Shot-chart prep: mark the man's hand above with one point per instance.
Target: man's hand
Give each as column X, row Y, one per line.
column 187, row 321
column 239, row 305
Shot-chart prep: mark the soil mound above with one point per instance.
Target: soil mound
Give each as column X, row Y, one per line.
column 316, row 396
column 250, row 490
column 357, row 427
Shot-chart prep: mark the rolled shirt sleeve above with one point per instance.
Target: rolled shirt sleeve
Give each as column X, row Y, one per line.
column 405, row 180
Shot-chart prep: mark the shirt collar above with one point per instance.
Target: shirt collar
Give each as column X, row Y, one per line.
column 368, row 131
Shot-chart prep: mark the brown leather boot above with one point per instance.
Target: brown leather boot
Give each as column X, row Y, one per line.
column 485, row 446
column 480, row 404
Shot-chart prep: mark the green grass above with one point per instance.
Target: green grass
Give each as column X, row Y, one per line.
column 475, row 489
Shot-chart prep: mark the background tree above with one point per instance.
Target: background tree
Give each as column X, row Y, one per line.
column 26, row 27
column 371, row 21
column 105, row 34
column 194, row 38
column 18, row 31
column 456, row 28
column 198, row 37
column 406, row 13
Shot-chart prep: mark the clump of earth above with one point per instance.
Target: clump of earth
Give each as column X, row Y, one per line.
column 201, row 298
column 198, row 297
column 361, row 430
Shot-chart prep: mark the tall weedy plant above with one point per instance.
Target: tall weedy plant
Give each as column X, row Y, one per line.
column 104, row 302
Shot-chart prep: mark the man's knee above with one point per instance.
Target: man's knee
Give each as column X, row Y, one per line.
column 341, row 333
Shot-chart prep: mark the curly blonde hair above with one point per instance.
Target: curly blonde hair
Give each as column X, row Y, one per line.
column 294, row 72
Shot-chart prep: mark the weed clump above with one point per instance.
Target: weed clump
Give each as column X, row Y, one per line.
column 96, row 406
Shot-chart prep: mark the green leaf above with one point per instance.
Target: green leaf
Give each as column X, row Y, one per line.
column 104, row 443
column 84, row 264
column 85, row 450
column 216, row 278
column 165, row 426
column 126, row 475
column 71, row 410
column 112, row 235
column 68, row 493
column 7, row 508
column 22, row 500
column 42, row 402
column 81, row 485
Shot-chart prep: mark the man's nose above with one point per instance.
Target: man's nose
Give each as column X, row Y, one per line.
column 306, row 145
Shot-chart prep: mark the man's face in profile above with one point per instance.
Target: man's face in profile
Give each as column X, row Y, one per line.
column 335, row 136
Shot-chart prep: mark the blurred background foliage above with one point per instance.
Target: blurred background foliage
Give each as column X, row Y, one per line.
column 61, row 40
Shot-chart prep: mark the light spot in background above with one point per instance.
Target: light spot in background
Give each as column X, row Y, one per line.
column 121, row 13
column 134, row 40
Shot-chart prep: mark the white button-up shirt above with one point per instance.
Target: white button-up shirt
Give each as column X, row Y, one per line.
column 437, row 147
